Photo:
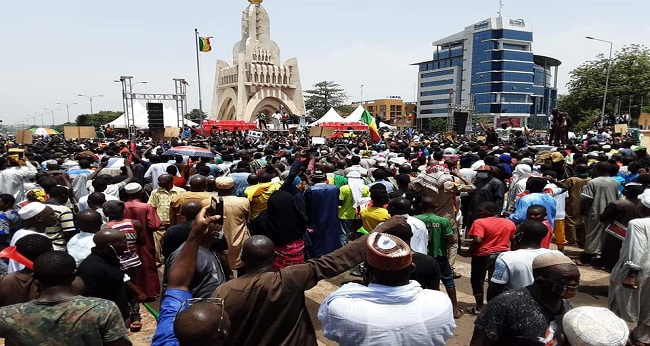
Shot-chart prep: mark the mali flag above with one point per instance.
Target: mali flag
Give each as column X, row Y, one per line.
column 204, row 44
column 367, row 119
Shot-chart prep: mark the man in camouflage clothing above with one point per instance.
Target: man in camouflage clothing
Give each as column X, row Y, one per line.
column 58, row 317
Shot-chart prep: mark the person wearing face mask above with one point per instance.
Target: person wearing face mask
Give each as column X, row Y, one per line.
column 531, row 315
column 101, row 271
column 488, row 189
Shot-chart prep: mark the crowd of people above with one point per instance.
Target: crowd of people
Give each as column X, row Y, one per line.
column 243, row 227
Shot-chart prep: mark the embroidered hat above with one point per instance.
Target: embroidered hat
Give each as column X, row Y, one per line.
column 594, row 326
column 30, row 210
column 387, row 252
column 551, row 259
column 224, row 183
column 132, row 188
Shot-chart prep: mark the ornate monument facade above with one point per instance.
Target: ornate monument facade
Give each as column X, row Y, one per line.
column 257, row 81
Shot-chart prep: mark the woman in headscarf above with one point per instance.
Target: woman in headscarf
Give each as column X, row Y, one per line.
column 522, row 171
column 285, row 225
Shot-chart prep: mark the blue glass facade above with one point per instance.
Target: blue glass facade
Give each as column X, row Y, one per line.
column 502, row 74
column 492, row 63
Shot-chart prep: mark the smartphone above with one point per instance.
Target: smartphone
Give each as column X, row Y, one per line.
column 216, row 208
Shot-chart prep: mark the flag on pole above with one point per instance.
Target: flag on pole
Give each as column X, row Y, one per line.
column 204, row 44
column 367, row 119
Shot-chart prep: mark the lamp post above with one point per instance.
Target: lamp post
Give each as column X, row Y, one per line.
column 52, row 110
column 609, row 65
column 90, row 98
column 67, row 107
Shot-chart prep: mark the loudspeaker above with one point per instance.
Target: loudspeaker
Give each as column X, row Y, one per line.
column 155, row 115
column 460, row 122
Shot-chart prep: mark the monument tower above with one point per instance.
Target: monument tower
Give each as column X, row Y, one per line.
column 256, row 81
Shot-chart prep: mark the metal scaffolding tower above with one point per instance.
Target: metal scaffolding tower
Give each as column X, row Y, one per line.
column 179, row 95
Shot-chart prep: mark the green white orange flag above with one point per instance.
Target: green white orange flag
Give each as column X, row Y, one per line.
column 204, row 44
column 367, row 119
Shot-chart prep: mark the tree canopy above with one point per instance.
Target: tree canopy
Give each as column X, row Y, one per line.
column 629, row 80
column 196, row 116
column 324, row 95
column 101, row 118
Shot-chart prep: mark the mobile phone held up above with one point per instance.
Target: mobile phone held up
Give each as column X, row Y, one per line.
column 216, row 208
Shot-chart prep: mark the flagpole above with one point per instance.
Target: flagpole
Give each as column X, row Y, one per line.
column 198, row 75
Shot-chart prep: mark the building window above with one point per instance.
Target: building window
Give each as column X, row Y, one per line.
column 437, row 73
column 436, row 83
column 435, row 92
column 515, row 46
column 435, row 111
column 434, row 102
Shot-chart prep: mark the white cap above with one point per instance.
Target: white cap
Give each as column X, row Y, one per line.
column 594, row 326
column 132, row 188
column 646, row 201
column 30, row 210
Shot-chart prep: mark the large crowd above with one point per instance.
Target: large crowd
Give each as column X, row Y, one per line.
column 242, row 226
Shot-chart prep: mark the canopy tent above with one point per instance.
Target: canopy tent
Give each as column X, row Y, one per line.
column 332, row 116
column 356, row 115
column 141, row 119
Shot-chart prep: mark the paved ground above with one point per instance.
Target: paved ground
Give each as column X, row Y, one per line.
column 592, row 291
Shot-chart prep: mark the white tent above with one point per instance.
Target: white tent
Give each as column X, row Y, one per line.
column 355, row 116
column 332, row 116
column 141, row 119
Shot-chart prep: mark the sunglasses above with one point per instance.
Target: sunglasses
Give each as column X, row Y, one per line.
column 189, row 302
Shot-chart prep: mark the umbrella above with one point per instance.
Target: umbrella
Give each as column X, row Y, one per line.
column 189, row 151
column 44, row 131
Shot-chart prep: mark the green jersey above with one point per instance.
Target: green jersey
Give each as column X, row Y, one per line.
column 439, row 229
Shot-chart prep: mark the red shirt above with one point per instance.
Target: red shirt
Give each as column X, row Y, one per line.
column 496, row 233
column 546, row 242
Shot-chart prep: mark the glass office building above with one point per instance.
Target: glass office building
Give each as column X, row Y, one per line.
column 489, row 70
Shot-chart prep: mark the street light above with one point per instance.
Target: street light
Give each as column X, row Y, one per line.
column 90, row 98
column 133, row 84
column 609, row 65
column 67, row 107
column 52, row 110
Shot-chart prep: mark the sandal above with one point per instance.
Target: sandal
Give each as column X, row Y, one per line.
column 135, row 326
column 457, row 275
column 580, row 263
column 458, row 313
column 473, row 311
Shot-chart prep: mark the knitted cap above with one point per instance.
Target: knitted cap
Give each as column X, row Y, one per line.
column 387, row 252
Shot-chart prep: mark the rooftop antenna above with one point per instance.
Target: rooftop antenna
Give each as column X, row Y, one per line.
column 500, row 8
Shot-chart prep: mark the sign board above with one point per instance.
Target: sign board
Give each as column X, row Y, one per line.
column 327, row 131
column 24, row 137
column 255, row 134
column 318, row 140
column 620, row 128
column 79, row 132
column 171, row 132
column 315, row 131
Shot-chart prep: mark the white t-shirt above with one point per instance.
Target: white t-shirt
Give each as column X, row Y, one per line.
column 560, row 201
column 515, row 268
column 13, row 265
column 420, row 239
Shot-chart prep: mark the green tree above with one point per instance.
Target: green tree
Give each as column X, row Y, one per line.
column 324, row 95
column 101, row 118
column 629, row 79
column 196, row 116
column 438, row 124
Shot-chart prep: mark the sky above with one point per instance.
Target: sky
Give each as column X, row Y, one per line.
column 51, row 51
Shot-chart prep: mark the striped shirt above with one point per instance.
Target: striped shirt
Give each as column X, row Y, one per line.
column 64, row 224
column 130, row 258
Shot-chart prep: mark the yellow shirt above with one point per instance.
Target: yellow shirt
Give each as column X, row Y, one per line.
column 161, row 200
column 373, row 216
column 259, row 195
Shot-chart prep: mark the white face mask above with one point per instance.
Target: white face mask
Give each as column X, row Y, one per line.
column 482, row 175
